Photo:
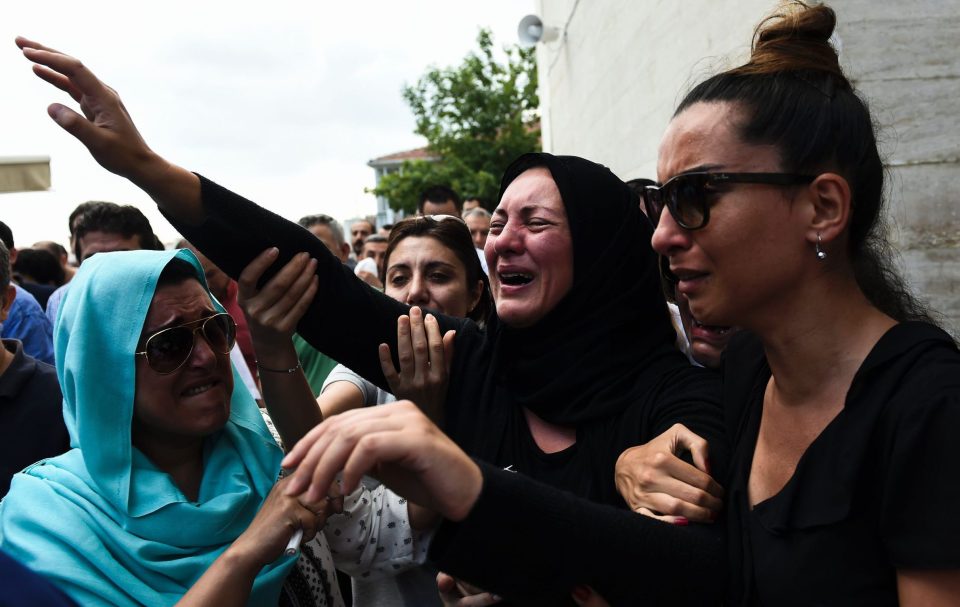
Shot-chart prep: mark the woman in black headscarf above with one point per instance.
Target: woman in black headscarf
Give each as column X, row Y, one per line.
column 578, row 363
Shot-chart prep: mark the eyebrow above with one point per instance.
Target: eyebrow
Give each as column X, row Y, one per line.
column 178, row 320
column 530, row 208
column 429, row 265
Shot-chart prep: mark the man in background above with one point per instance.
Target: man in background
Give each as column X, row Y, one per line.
column 478, row 222
column 102, row 227
column 328, row 230
column 24, row 320
column 360, row 230
column 57, row 250
column 31, row 406
column 439, row 200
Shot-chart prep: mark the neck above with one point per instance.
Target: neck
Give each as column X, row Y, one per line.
column 180, row 457
column 818, row 337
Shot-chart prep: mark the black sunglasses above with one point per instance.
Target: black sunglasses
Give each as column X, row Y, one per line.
column 687, row 194
column 168, row 349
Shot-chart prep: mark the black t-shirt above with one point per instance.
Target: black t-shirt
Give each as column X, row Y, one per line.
column 877, row 490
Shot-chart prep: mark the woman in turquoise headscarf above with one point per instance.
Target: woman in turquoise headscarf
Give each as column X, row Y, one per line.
column 159, row 499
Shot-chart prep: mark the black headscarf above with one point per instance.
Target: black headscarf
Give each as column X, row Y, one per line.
column 585, row 360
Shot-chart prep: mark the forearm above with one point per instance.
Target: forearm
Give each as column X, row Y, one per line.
column 288, row 396
column 338, row 397
column 532, row 543
column 226, row 583
column 347, row 319
column 175, row 190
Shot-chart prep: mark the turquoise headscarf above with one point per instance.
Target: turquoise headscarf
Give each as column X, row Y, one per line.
column 101, row 521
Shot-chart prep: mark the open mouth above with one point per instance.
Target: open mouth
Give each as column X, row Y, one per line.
column 712, row 329
column 515, row 279
column 199, row 389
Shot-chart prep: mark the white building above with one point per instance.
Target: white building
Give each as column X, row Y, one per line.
column 610, row 82
column 393, row 163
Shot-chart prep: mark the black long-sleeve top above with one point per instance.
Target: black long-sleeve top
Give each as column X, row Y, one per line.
column 348, row 320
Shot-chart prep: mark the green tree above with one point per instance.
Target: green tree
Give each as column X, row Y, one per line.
column 477, row 117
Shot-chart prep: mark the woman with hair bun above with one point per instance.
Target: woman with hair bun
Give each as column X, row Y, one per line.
column 844, row 403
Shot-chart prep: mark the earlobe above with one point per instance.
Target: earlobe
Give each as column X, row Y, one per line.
column 831, row 208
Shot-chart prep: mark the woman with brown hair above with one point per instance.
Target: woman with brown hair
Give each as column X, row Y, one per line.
column 429, row 263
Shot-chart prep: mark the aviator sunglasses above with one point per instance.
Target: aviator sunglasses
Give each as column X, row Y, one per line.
column 167, row 349
column 687, row 195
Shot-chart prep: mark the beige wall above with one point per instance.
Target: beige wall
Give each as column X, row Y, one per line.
column 609, row 87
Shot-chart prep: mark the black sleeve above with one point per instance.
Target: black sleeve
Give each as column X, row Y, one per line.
column 347, row 320
column 532, row 544
column 691, row 396
column 920, row 492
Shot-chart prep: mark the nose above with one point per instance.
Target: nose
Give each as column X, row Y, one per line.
column 508, row 241
column 203, row 354
column 669, row 237
column 418, row 293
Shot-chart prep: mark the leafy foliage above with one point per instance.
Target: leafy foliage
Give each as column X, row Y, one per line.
column 477, row 118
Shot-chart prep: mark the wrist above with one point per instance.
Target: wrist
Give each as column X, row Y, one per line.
column 279, row 367
column 465, row 499
column 241, row 561
column 147, row 169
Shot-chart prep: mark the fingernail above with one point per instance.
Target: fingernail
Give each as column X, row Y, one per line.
column 274, row 251
column 581, row 592
column 681, row 521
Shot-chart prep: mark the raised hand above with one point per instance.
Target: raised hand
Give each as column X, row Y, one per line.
column 108, row 132
column 424, row 356
column 274, row 310
column 655, row 482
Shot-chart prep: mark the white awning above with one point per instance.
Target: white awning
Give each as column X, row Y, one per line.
column 24, row 173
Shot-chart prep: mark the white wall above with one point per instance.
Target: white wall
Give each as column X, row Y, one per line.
column 610, row 84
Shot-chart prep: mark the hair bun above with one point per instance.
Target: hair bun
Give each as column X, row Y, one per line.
column 795, row 39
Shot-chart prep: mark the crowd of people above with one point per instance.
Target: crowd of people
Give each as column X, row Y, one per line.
column 729, row 398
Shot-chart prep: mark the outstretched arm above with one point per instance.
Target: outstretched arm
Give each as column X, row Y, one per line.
column 501, row 523
column 347, row 321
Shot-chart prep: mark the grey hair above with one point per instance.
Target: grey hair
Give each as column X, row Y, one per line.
column 309, row 221
column 482, row 212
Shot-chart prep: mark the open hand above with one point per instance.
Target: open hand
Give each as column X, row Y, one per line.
column 105, row 127
column 424, row 357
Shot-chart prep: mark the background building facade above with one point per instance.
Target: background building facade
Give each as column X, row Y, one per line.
column 610, row 83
